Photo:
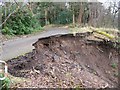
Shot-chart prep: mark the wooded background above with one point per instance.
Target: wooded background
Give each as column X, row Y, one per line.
column 20, row 18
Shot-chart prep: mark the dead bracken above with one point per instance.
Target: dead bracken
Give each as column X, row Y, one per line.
column 68, row 61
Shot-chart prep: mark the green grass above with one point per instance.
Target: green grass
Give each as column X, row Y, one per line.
column 80, row 30
column 86, row 29
column 104, row 33
column 114, row 65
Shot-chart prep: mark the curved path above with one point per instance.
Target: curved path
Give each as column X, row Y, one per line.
column 13, row 48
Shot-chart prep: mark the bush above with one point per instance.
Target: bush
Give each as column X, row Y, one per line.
column 8, row 31
column 4, row 84
column 20, row 23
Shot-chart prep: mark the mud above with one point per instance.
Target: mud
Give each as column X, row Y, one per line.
column 68, row 61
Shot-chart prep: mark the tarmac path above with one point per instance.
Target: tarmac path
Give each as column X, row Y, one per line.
column 14, row 48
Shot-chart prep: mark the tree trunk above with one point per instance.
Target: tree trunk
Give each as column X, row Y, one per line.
column 30, row 8
column 80, row 14
column 119, row 16
column 90, row 23
column 46, row 20
column 5, row 11
column 73, row 18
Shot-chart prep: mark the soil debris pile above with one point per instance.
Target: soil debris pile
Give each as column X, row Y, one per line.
column 68, row 61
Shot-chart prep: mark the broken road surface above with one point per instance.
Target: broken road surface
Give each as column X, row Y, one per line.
column 13, row 48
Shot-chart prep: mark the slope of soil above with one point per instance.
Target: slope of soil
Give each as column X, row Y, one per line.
column 68, row 61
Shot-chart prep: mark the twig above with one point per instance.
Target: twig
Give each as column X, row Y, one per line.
column 99, row 49
column 100, row 38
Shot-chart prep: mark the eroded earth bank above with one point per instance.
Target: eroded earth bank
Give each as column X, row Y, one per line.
column 68, row 61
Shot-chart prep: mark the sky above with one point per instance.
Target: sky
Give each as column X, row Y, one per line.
column 64, row 0
column 107, row 2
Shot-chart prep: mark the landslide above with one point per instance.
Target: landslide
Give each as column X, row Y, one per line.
column 68, row 61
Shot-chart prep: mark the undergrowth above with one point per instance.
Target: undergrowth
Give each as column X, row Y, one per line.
column 21, row 23
column 4, row 84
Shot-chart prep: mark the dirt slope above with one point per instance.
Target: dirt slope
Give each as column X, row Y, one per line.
column 68, row 61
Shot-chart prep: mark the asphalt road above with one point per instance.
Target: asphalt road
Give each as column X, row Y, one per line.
column 14, row 48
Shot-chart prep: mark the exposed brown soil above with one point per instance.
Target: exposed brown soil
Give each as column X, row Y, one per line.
column 68, row 61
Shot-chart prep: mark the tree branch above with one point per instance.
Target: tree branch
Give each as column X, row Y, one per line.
column 9, row 16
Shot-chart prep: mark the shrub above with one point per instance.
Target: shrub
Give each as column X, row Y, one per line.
column 20, row 23
column 8, row 31
column 4, row 84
